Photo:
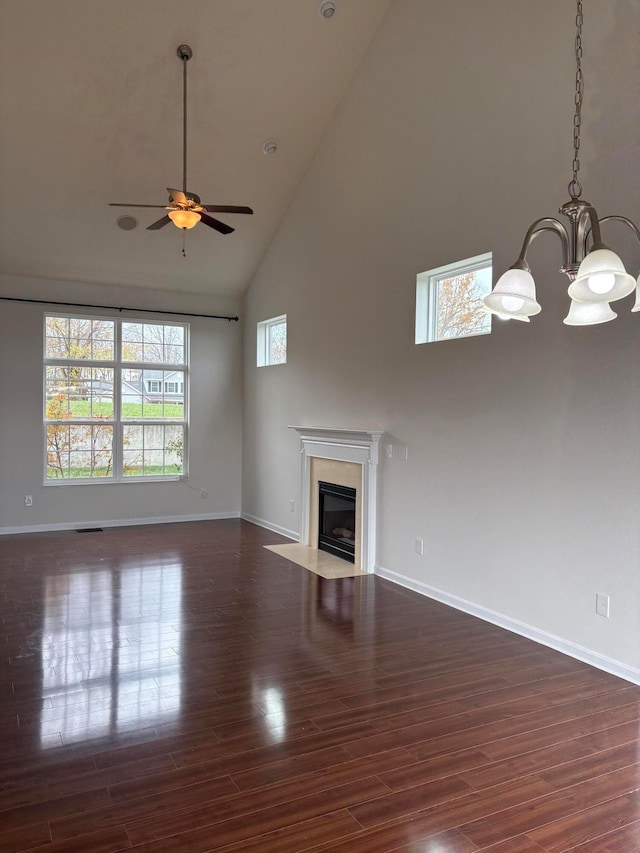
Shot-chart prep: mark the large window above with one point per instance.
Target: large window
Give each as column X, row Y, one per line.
column 272, row 341
column 449, row 300
column 114, row 399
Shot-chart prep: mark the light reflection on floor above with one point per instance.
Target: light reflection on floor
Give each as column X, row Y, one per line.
column 111, row 651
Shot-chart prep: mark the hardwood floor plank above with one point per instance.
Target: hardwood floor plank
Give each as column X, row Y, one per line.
column 568, row 832
column 180, row 688
column 197, row 831
column 112, row 840
column 523, row 819
column 24, row 837
column 300, row 836
column 623, row 840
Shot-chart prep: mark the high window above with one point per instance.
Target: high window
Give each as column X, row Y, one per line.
column 449, row 300
column 272, row 341
column 106, row 414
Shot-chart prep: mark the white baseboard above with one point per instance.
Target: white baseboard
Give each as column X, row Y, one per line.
column 574, row 650
column 117, row 522
column 283, row 531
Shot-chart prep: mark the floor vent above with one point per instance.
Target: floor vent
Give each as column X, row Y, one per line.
column 90, row 530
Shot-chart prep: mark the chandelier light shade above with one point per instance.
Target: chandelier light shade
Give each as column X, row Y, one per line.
column 184, row 218
column 601, row 277
column 588, row 313
column 514, row 295
column 596, row 274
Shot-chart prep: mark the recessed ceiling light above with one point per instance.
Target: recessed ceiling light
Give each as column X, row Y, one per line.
column 127, row 223
column 270, row 146
column 327, row 9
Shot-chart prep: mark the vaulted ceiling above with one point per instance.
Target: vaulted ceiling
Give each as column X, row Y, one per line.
column 91, row 113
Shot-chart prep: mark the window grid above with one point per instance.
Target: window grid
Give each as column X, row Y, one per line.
column 84, row 434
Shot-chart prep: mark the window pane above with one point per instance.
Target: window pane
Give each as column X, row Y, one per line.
column 277, row 343
column 153, row 343
column 81, row 450
column 79, row 392
column 79, row 338
column 460, row 312
column 132, row 390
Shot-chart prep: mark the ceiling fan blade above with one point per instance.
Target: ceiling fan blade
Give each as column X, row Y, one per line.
column 214, row 223
column 177, row 196
column 159, row 224
column 226, row 208
column 114, row 204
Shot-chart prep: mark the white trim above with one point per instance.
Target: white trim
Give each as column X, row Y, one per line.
column 343, row 445
column 428, row 294
column 567, row 647
column 268, row 525
column 116, row 522
column 263, row 342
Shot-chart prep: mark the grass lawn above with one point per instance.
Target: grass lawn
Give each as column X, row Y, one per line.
column 76, row 473
column 134, row 411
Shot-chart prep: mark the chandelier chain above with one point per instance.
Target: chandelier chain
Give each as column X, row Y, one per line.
column 575, row 187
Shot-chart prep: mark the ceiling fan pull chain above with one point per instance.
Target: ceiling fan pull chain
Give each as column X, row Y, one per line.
column 184, row 240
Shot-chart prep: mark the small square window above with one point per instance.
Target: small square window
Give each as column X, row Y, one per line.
column 449, row 300
column 272, row 341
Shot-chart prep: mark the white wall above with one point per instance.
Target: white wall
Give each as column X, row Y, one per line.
column 524, row 451
column 216, row 415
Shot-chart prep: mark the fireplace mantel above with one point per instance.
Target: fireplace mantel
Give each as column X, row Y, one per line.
column 358, row 446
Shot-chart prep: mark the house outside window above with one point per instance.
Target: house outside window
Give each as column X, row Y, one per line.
column 449, row 300
column 105, row 413
column 272, row 341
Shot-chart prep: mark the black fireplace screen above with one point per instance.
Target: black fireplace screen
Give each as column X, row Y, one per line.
column 337, row 520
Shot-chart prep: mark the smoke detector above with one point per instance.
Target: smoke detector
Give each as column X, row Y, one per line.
column 127, row 223
column 270, row 146
column 327, row 9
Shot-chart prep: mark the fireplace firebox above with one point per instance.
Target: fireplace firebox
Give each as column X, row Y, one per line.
column 337, row 520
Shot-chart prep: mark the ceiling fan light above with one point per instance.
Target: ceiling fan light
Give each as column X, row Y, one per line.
column 514, row 296
column 184, row 218
column 601, row 277
column 588, row 313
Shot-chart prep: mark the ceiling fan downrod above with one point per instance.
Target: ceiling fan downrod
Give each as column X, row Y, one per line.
column 185, row 53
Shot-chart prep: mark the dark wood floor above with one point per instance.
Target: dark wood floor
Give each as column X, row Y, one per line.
column 180, row 688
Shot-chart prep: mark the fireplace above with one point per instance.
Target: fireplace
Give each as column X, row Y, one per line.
column 337, row 520
column 347, row 457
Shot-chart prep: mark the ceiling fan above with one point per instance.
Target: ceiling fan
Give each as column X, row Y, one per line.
column 185, row 208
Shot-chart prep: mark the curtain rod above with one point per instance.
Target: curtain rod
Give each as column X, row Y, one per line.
column 115, row 308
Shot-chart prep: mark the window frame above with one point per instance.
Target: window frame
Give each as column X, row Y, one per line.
column 119, row 366
column 263, row 344
column 427, row 295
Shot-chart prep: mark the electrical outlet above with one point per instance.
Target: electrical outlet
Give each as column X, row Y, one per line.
column 602, row 605
column 204, row 493
column 388, row 449
column 403, row 454
column 28, row 500
column 419, row 547
column 292, row 506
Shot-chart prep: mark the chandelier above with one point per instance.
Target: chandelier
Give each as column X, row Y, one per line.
column 597, row 275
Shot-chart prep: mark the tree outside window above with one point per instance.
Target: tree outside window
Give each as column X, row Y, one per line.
column 449, row 300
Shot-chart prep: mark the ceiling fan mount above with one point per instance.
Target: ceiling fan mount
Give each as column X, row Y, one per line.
column 185, row 209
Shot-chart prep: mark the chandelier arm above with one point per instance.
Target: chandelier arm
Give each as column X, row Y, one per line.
column 547, row 223
column 624, row 219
